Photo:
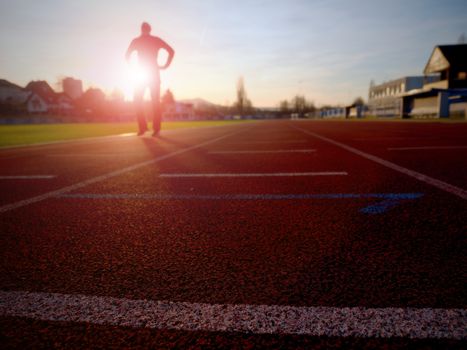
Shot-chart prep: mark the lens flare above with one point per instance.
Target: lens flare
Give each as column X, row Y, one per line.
column 135, row 76
column 138, row 76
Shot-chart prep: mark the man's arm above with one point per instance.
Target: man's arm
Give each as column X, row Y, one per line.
column 130, row 49
column 170, row 52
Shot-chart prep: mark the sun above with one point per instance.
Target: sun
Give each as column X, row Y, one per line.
column 134, row 77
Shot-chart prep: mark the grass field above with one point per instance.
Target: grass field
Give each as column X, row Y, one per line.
column 27, row 134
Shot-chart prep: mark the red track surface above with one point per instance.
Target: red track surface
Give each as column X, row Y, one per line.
column 300, row 252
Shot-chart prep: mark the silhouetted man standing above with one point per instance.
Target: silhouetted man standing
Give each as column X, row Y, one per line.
column 147, row 48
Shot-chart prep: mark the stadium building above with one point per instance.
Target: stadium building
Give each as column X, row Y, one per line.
column 385, row 100
column 447, row 97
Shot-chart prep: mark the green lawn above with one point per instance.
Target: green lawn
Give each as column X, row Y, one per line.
column 27, row 134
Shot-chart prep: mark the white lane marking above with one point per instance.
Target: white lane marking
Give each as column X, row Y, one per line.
column 266, row 152
column 425, row 148
column 116, row 154
column 26, row 177
column 107, row 176
column 395, row 138
column 269, row 142
column 322, row 173
column 415, row 323
column 419, row 176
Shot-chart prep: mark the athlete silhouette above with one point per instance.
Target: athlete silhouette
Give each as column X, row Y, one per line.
column 147, row 48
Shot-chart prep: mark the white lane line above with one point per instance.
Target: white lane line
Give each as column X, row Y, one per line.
column 395, row 138
column 71, row 155
column 107, row 176
column 425, row 148
column 415, row 323
column 323, row 173
column 26, row 177
column 119, row 154
column 266, row 152
column 269, row 142
column 419, row 176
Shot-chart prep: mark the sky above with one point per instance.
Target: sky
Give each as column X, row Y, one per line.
column 326, row 50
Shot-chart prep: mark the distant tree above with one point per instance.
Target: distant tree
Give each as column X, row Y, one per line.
column 299, row 105
column 93, row 97
column 310, row 106
column 359, row 101
column 168, row 98
column 243, row 105
column 284, row 107
column 93, row 103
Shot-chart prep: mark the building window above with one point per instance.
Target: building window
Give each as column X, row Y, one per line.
column 462, row 76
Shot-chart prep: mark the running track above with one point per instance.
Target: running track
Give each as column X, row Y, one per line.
column 280, row 234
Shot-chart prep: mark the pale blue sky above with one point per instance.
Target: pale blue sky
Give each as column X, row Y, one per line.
column 328, row 50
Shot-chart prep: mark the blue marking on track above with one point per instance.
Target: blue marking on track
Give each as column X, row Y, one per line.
column 388, row 200
column 380, row 207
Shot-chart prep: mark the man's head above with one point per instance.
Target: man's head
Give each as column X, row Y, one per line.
column 145, row 28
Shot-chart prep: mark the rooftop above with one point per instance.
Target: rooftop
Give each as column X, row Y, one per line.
column 447, row 56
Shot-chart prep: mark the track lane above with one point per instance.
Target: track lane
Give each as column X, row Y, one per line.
column 377, row 138
column 282, row 252
column 70, row 171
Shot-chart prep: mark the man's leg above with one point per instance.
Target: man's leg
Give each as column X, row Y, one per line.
column 157, row 108
column 139, row 107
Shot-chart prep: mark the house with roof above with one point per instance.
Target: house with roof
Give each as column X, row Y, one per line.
column 450, row 62
column 35, row 104
column 12, row 94
column 15, row 99
column 448, row 95
column 63, row 104
column 57, row 103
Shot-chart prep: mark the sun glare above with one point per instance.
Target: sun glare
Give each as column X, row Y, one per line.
column 137, row 75
column 134, row 76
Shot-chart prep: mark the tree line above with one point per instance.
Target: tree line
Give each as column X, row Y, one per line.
column 297, row 105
